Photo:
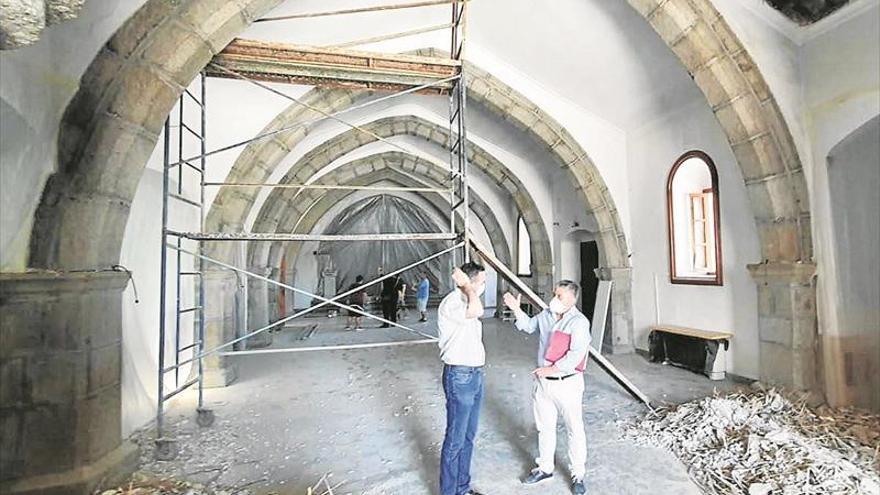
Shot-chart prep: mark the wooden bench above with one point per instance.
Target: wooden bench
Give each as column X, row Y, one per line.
column 703, row 351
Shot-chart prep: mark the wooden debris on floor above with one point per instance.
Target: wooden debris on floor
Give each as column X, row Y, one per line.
column 142, row 483
column 761, row 442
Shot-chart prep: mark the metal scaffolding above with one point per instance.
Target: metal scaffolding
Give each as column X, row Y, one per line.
column 254, row 62
column 257, row 62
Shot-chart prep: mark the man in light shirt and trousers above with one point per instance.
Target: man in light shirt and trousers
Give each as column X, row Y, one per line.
column 559, row 389
column 463, row 355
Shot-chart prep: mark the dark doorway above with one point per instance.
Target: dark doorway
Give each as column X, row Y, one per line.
column 589, row 281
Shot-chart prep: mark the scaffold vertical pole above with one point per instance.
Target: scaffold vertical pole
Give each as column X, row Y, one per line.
column 201, row 281
column 160, row 399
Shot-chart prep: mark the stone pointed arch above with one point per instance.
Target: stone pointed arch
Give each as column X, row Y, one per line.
column 388, row 166
column 320, row 157
column 750, row 117
column 300, row 216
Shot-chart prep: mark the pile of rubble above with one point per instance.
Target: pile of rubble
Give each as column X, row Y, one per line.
column 759, row 442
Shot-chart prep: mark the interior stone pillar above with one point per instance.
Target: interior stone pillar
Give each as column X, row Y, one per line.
column 258, row 309
column 787, row 326
column 60, row 371
column 219, row 313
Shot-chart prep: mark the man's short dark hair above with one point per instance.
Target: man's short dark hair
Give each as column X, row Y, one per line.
column 570, row 285
column 472, row 269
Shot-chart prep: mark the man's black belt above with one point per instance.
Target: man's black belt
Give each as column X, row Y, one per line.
column 559, row 377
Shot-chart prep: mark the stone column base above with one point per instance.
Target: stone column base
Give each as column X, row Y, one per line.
column 787, row 328
column 220, row 377
column 110, row 469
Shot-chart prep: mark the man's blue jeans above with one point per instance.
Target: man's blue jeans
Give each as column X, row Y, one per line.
column 463, row 386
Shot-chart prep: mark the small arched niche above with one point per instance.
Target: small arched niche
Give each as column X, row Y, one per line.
column 693, row 219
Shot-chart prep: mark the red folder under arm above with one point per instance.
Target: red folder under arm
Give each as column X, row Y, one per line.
column 560, row 343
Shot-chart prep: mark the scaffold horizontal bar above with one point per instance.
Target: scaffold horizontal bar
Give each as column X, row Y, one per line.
column 329, row 186
column 181, row 389
column 328, row 348
column 306, row 122
column 392, row 36
column 361, row 10
column 185, row 200
column 186, row 348
column 187, row 163
column 269, row 236
column 191, row 130
column 190, row 310
column 324, row 301
column 187, row 91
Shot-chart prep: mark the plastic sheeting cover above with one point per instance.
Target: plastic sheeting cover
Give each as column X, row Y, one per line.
column 376, row 215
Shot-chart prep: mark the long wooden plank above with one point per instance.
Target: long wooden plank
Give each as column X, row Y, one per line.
column 530, row 294
column 600, row 313
column 333, row 67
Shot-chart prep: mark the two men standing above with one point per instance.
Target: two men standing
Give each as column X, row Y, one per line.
column 564, row 339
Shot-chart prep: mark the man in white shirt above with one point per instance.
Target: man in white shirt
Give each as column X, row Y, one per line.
column 463, row 355
column 559, row 388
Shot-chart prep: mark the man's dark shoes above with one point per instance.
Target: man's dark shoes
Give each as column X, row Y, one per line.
column 577, row 486
column 535, row 476
column 473, row 492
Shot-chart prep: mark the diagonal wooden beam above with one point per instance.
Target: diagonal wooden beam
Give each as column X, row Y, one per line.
column 332, row 67
column 531, row 296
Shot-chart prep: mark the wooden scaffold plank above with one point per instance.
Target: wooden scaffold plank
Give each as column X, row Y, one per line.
column 334, row 67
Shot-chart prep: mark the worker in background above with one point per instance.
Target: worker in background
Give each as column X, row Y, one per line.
column 357, row 300
column 389, row 297
column 423, row 290
column 463, row 356
column 559, row 382
column 400, row 311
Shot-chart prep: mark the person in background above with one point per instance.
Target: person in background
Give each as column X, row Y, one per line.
column 423, row 290
column 559, row 382
column 389, row 298
column 463, row 356
column 401, row 300
column 357, row 300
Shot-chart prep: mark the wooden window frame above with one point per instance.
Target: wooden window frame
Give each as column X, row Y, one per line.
column 674, row 278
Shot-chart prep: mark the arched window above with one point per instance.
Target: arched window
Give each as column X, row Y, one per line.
column 523, row 249
column 693, row 217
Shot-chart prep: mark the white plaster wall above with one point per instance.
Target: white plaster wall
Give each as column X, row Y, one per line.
column 140, row 321
column 732, row 307
column 854, row 176
column 841, row 71
column 36, row 83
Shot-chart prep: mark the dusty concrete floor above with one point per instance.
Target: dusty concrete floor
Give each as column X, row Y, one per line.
column 374, row 419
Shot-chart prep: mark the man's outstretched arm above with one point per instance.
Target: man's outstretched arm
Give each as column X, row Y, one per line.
column 523, row 321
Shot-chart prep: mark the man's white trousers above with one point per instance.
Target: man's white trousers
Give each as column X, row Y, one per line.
column 565, row 397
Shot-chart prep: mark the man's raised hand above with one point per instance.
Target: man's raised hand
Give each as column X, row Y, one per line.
column 460, row 278
column 512, row 303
